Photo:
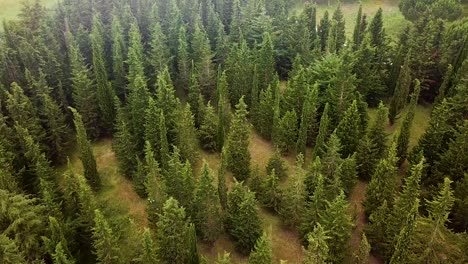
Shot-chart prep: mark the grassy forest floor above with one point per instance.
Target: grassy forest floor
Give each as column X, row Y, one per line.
column 119, row 195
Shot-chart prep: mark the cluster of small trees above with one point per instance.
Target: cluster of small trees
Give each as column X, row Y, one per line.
column 162, row 78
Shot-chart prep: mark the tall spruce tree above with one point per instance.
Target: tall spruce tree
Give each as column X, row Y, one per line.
column 222, row 108
column 308, row 125
column 222, row 188
column 400, row 92
column 286, row 132
column 405, row 237
column 137, row 105
column 337, row 30
column 84, row 93
column 118, row 56
column 186, row 137
column 183, row 57
column 324, row 30
column 123, row 143
column 238, row 155
column 263, row 119
column 208, row 129
column 377, row 133
column 159, row 54
column 148, row 249
column 348, row 130
column 104, row 92
column 317, row 250
column 383, row 183
column 193, row 256
column 208, row 210
column 362, row 256
column 262, row 253
column 155, row 186
column 243, row 222
column 359, row 29
column 104, row 240
column 324, row 132
column 86, row 152
column 404, row 135
column 171, row 235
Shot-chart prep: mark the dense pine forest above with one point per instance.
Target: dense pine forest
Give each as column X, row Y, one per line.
column 234, row 131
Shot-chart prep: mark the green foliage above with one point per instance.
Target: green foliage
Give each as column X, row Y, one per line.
column 308, row 125
column 118, row 50
column 337, row 37
column 183, row 60
column 316, row 204
column 383, row 183
column 186, row 139
column 193, row 257
column 179, row 180
column 286, row 132
column 460, row 207
column 277, row 163
column 362, row 256
column 155, row 186
column 377, row 133
column 104, row 92
column 444, row 9
column 263, row 119
column 171, row 236
column 238, row 155
column 105, row 242
column 243, row 222
column 135, row 57
column 262, row 252
column 123, row 144
column 271, row 194
column 208, row 129
column 292, row 200
column 87, row 156
column 222, row 188
column 10, row 251
column 324, row 132
column 148, row 249
column 136, row 107
column 201, row 57
column 324, row 30
column 347, row 172
column 348, row 130
column 159, row 56
column 400, row 92
column 207, row 217
column 223, row 112
column 403, row 136
column 405, row 237
column 317, row 250
column 359, row 29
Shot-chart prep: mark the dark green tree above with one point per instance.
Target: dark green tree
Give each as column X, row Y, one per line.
column 348, row 175
column 135, row 58
column 208, row 129
column 155, row 186
column 414, row 9
column 359, row 29
column 324, row 30
column 348, row 130
column 118, row 56
column 193, row 256
column 223, row 110
column 186, row 137
column 263, row 119
column 405, row 131
column 86, row 152
column 377, row 133
column 316, row 204
column 362, row 256
column 84, row 93
column 136, row 107
column 265, row 62
column 400, row 92
column 383, row 183
column 163, row 141
column 171, row 235
column 292, row 200
column 243, row 222
column 104, row 91
column 277, row 163
column 159, row 55
column 286, row 136
column 222, row 188
column 123, row 143
column 238, row 155
column 208, row 210
column 405, row 237
column 271, row 193
column 104, row 240
column 337, row 30
column 202, row 58
column 183, row 57
column 324, row 132
column 262, row 252
column 317, row 250
column 308, row 125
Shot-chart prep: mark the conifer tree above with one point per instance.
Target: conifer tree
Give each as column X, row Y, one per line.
column 11, row 254
column 23, row 113
column 317, row 250
column 148, row 248
column 405, row 237
column 265, row 62
column 324, row 30
column 7, row 178
column 359, row 29
column 186, row 139
column 86, row 152
column 310, row 16
column 348, row 130
column 168, row 103
column 57, row 136
column 377, row 134
column 362, row 256
column 405, row 201
column 336, row 220
column 377, row 230
column 171, row 235
column 293, row 198
column 118, row 56
column 137, row 105
column 159, row 55
column 243, row 222
column 264, row 116
column 208, row 129
column 60, row 256
column 164, row 145
column 123, row 143
column 194, row 95
column 135, row 59
column 286, row 132
column 224, row 259
column 460, row 207
column 404, row 135
column 104, row 240
column 277, row 163
column 315, row 205
column 222, row 188
column 262, row 252
column 347, row 172
column 84, row 94
column 238, row 155
column 155, row 186
column 183, row 60
column 193, row 256
column 56, row 239
column 308, row 124
column 104, row 92
column 400, row 92
column 152, row 125
column 337, row 31
column 202, row 58
column 324, row 132
column 271, row 194
column 331, row 163
column 453, row 162
column 208, row 211
column 383, row 183
column 222, row 105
